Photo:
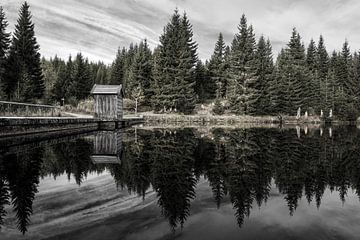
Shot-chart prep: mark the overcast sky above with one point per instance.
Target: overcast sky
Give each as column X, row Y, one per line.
column 98, row 27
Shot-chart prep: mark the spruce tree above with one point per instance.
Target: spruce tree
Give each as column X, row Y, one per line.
column 4, row 47
column 81, row 82
column 50, row 75
column 242, row 71
column 190, row 46
column 344, row 70
column 311, row 56
column 128, row 61
column 61, row 85
column 204, row 86
column 217, row 69
column 313, row 87
column 117, row 71
column 101, row 75
column 141, row 71
column 264, row 68
column 174, row 67
column 293, row 77
column 24, row 59
column 322, row 63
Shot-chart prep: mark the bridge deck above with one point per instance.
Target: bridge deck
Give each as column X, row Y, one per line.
column 10, row 126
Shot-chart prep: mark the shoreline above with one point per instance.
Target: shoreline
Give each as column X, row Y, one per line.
column 207, row 119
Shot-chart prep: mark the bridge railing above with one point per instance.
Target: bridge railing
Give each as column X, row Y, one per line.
column 17, row 109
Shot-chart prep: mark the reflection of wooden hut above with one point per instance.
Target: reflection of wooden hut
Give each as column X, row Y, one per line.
column 108, row 101
column 107, row 147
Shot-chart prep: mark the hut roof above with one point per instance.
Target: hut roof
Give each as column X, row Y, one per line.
column 106, row 89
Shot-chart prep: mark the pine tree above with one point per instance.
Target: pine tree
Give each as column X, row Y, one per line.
column 204, row 86
column 174, row 67
column 190, row 46
column 24, row 54
column 313, row 87
column 4, row 47
column 50, row 78
column 242, row 70
column 322, row 63
column 117, row 71
column 128, row 61
column 81, row 82
column 141, row 71
column 277, row 88
column 344, row 70
column 217, row 67
column 311, row 56
column 264, row 68
column 61, row 85
column 101, row 75
column 293, row 78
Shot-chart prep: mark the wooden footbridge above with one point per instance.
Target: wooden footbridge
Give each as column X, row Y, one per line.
column 23, row 118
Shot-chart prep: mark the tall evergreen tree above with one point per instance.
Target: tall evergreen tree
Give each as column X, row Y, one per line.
column 217, row 67
column 81, row 82
column 293, row 78
column 117, row 72
column 61, row 85
column 242, row 71
column 311, row 56
column 313, row 88
column 174, row 69
column 4, row 47
column 204, row 86
column 24, row 60
column 344, row 69
column 141, row 71
column 322, row 63
column 264, row 68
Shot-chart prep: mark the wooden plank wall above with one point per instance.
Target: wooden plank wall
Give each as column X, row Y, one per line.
column 119, row 107
column 108, row 107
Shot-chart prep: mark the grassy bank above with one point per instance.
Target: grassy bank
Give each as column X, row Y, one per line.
column 224, row 119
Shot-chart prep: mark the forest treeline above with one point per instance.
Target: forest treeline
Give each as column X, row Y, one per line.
column 242, row 77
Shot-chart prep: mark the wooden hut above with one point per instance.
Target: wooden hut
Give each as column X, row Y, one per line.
column 107, row 147
column 108, row 101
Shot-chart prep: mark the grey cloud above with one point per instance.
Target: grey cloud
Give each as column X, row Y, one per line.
column 98, row 28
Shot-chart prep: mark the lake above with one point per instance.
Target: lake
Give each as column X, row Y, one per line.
column 205, row 183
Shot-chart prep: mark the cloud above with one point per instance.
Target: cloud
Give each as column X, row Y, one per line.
column 98, row 28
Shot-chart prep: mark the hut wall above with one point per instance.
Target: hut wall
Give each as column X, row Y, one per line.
column 119, row 107
column 106, row 106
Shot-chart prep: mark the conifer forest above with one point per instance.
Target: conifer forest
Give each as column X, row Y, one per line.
column 241, row 77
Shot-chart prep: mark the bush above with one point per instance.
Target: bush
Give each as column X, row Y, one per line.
column 129, row 105
column 218, row 108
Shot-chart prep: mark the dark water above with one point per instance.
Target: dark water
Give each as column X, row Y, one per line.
column 253, row 183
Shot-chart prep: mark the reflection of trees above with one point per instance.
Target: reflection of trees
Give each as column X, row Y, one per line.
column 22, row 173
column 72, row 158
column 4, row 193
column 240, row 163
column 241, row 168
column 289, row 168
column 139, row 163
column 172, row 174
column 217, row 174
column 263, row 170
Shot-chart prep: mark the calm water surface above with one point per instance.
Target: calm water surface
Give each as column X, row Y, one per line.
column 253, row 183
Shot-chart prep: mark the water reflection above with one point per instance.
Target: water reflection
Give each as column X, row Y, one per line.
column 241, row 164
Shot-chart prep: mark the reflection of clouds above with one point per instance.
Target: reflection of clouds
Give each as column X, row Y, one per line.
column 98, row 28
column 271, row 221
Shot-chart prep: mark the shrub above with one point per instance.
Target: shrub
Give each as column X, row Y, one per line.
column 218, row 108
